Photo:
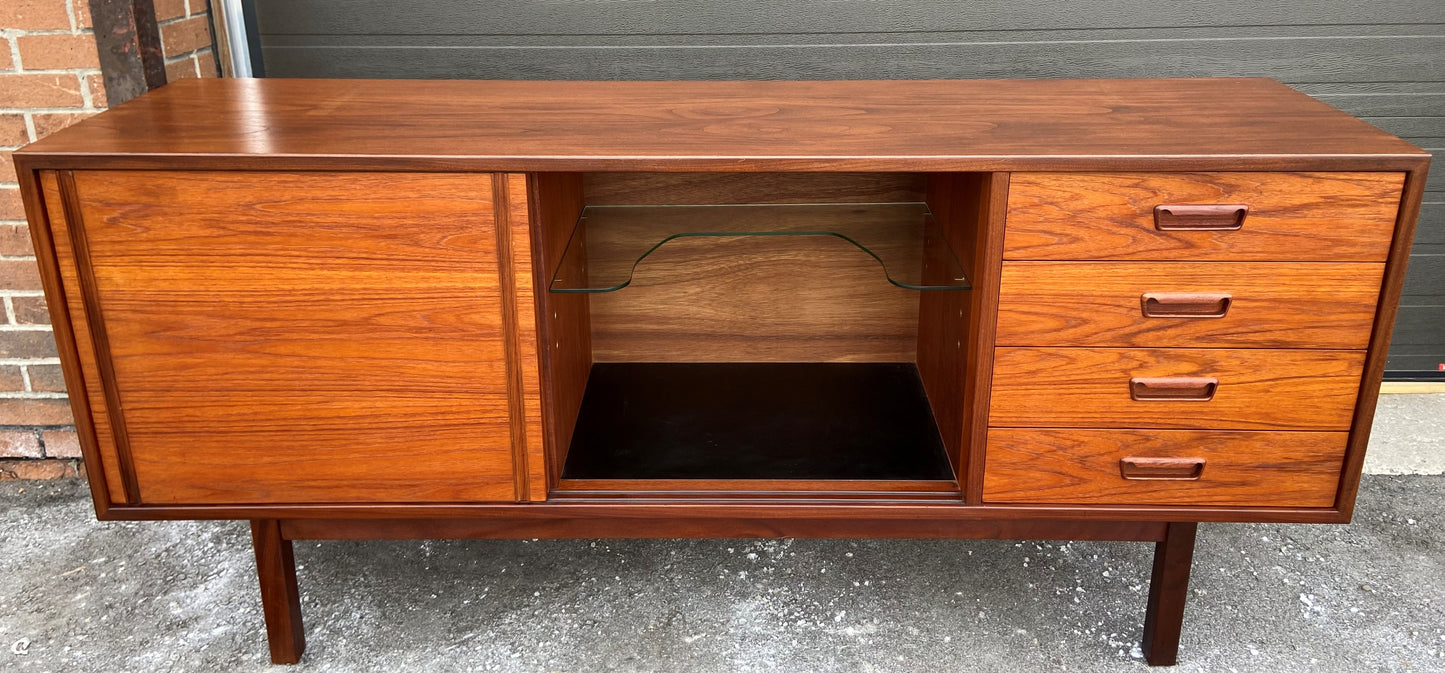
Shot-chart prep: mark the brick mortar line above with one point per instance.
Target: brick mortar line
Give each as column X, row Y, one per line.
column 14, row 51
column 70, row 14
column 49, row 110
column 22, row 293
column 74, row 72
column 29, row 361
column 26, row 395
column 51, row 71
column 12, row 33
column 24, row 327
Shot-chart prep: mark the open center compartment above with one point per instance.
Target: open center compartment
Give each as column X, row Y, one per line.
column 757, row 333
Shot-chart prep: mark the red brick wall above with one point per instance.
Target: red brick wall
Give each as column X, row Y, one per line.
column 186, row 38
column 49, row 79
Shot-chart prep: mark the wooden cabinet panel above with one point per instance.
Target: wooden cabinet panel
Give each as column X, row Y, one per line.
column 1063, row 466
column 296, row 338
column 1292, row 216
column 1263, row 305
column 1261, row 389
column 87, row 398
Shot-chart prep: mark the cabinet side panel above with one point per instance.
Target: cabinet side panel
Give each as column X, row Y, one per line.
column 1390, row 291
column 566, row 328
column 304, row 337
column 88, row 399
column 943, row 317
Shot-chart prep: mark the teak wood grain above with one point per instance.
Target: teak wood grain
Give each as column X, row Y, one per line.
column 756, row 299
column 659, row 189
column 919, row 126
column 1312, row 216
column 985, row 252
column 521, row 317
column 1270, row 305
column 1380, row 340
column 302, row 338
column 684, row 527
column 943, row 317
column 752, row 299
column 83, row 380
column 564, row 320
column 1258, row 389
column 1049, row 465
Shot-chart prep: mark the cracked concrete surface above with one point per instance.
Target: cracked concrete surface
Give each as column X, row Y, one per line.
column 80, row 595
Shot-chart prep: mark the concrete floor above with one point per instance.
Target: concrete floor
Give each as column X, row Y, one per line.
column 79, row 595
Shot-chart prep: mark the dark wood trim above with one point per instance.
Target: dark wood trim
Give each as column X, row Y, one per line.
column 70, row 200
column 541, row 298
column 515, row 400
column 712, row 508
column 33, row 196
column 128, row 42
column 1012, row 529
column 922, row 164
column 1386, row 309
column 1168, row 592
column 280, row 597
column 983, row 324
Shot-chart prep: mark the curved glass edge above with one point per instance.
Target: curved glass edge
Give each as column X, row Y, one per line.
column 935, row 245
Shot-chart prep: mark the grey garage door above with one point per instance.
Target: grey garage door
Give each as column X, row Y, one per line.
column 1382, row 60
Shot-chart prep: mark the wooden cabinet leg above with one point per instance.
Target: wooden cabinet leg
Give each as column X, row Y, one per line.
column 280, row 599
column 1168, row 589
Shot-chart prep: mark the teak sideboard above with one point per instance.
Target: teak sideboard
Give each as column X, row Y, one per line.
column 1086, row 310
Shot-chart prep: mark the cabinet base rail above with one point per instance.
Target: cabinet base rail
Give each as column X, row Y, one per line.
column 281, row 600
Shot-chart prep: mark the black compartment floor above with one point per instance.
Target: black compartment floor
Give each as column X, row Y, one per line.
column 756, row 421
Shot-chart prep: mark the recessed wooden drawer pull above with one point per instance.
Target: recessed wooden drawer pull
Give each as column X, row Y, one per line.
column 1185, row 304
column 1173, row 388
column 1200, row 218
column 1161, row 469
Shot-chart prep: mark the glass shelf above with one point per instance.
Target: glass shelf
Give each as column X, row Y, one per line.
column 610, row 241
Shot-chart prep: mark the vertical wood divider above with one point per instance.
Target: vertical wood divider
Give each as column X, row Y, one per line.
column 986, row 266
column 506, row 276
column 70, row 201
column 528, row 310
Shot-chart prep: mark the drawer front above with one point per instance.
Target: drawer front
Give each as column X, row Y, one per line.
column 1204, row 304
column 1258, row 389
column 1163, row 467
column 1291, row 216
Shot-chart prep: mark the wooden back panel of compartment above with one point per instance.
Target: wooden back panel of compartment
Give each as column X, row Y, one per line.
column 795, row 299
column 292, row 338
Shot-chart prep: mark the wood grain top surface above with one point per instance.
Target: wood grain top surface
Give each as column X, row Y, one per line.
column 1158, row 124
